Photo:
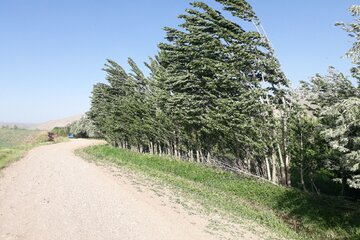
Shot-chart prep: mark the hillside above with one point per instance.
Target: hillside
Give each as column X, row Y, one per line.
column 45, row 126
column 56, row 123
column 18, row 124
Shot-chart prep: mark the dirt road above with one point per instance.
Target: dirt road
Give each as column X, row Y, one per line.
column 53, row 194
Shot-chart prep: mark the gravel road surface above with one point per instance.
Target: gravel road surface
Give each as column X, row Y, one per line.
column 52, row 194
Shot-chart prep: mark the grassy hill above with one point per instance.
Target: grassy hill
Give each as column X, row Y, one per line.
column 15, row 142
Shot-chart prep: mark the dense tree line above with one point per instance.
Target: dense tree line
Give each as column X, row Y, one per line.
column 216, row 95
column 326, row 132
column 82, row 128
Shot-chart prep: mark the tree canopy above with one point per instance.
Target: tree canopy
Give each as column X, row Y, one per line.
column 216, row 94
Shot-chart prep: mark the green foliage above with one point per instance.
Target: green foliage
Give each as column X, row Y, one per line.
column 335, row 102
column 325, row 91
column 61, row 131
column 342, row 131
column 281, row 209
column 83, row 128
column 216, row 95
column 205, row 97
column 353, row 30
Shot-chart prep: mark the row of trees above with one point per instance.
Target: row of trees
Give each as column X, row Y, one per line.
column 216, row 95
column 326, row 134
column 9, row 126
column 82, row 128
column 325, row 131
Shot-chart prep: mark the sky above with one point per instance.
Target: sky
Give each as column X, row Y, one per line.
column 52, row 52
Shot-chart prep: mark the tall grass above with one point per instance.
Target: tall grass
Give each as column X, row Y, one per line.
column 287, row 211
column 15, row 142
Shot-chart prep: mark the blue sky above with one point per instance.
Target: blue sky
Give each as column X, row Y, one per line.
column 52, row 52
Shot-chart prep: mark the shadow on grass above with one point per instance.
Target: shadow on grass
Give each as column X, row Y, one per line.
column 333, row 217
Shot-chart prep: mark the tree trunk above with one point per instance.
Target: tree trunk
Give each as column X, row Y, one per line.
column 167, row 150
column 191, row 155
column 248, row 164
column 151, row 148
column 274, row 174
column 175, row 151
column 282, row 168
column 302, row 177
column 197, row 156
column 285, row 143
column 201, row 156
column 208, row 157
column 287, row 170
column 268, row 168
column 302, row 162
column 281, row 164
column 160, row 150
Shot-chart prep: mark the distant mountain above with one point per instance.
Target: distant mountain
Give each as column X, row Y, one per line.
column 46, row 126
column 19, row 125
column 49, row 125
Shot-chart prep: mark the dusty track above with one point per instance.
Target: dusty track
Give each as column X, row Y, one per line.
column 53, row 194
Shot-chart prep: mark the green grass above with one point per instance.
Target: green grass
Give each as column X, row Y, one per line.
column 15, row 142
column 289, row 212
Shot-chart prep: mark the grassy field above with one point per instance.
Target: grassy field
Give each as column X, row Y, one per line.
column 289, row 212
column 15, row 142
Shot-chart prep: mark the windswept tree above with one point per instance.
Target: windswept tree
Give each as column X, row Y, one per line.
column 215, row 93
column 215, row 73
column 342, row 130
column 325, row 91
column 333, row 101
column 100, row 111
column 353, row 30
column 328, row 137
column 84, row 127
